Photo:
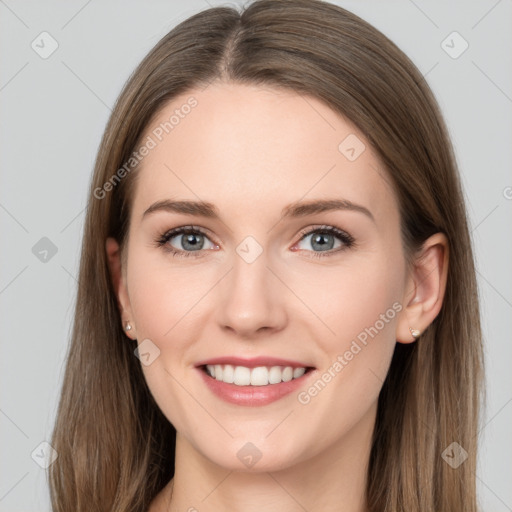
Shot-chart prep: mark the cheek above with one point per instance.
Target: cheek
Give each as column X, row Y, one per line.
column 351, row 299
column 167, row 301
column 361, row 306
column 165, row 296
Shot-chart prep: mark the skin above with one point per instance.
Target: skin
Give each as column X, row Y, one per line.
column 251, row 151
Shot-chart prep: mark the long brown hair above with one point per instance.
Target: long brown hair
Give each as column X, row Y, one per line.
column 115, row 447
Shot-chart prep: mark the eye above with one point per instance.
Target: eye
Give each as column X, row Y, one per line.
column 191, row 241
column 325, row 239
column 184, row 241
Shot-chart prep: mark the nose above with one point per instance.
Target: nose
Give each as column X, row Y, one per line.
column 251, row 300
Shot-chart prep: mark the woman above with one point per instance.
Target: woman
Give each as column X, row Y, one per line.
column 277, row 299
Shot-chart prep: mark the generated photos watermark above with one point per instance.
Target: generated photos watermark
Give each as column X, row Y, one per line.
column 151, row 142
column 342, row 360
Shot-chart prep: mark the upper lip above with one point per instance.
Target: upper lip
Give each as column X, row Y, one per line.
column 252, row 362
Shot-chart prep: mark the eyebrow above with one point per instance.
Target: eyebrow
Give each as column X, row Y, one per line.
column 301, row 209
column 298, row 209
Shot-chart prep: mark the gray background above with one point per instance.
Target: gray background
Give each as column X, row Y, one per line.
column 54, row 111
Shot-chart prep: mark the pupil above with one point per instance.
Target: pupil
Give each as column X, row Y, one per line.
column 320, row 241
column 191, row 242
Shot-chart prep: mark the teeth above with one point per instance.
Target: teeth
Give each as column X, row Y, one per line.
column 259, row 376
column 287, row 374
column 242, row 376
column 228, row 374
column 298, row 372
column 275, row 374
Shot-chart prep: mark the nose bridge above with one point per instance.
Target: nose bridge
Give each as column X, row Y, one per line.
column 250, row 300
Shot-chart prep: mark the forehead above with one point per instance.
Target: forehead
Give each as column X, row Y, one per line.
column 246, row 146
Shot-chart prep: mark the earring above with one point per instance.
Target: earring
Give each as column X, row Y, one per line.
column 127, row 326
column 415, row 333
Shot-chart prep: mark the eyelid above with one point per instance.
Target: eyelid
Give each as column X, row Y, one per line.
column 186, row 229
column 345, row 238
column 326, row 228
column 162, row 240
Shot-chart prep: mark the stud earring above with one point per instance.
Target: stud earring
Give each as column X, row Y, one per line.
column 127, row 326
column 415, row 333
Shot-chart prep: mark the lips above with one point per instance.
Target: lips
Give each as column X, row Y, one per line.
column 253, row 362
column 255, row 381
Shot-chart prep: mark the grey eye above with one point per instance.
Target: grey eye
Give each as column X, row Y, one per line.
column 318, row 241
column 191, row 241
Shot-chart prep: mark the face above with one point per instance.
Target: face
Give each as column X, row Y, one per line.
column 294, row 269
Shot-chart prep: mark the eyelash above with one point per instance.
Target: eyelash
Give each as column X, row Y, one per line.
column 347, row 240
column 184, row 230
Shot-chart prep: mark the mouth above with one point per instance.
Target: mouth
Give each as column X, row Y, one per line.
column 255, row 376
column 253, row 382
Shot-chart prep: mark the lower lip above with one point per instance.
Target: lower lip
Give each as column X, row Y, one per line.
column 252, row 395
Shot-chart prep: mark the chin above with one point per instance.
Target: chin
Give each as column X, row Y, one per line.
column 253, row 457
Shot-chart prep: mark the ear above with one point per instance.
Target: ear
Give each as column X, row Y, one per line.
column 119, row 283
column 426, row 285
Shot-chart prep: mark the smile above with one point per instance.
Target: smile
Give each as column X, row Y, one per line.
column 253, row 382
column 259, row 376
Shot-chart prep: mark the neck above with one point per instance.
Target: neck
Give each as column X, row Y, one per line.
column 333, row 480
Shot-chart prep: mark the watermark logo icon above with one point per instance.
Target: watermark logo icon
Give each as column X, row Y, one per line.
column 44, row 45
column 147, row 352
column 249, row 454
column 249, row 249
column 454, row 45
column 351, row 147
column 44, row 250
column 454, row 455
column 44, row 455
